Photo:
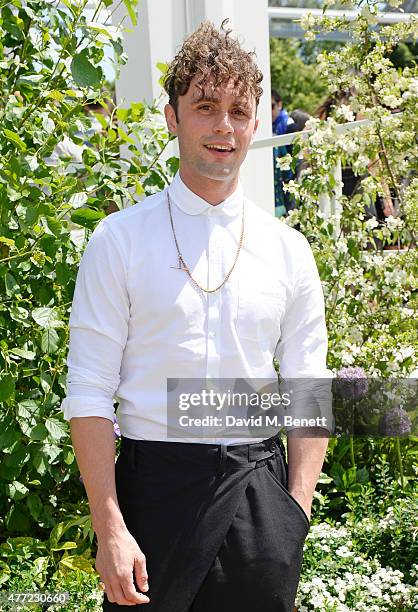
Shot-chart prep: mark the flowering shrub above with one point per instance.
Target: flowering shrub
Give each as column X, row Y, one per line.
column 369, row 292
column 337, row 576
column 49, row 204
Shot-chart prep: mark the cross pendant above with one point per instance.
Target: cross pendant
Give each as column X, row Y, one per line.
column 179, row 267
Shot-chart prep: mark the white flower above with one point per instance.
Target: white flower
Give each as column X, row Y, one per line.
column 343, row 551
column 312, row 123
column 403, row 353
column 307, row 21
column 391, row 100
column 344, row 112
column 394, row 223
column 372, row 223
column 368, row 15
column 317, row 138
column 284, row 162
column 309, row 35
column 412, row 91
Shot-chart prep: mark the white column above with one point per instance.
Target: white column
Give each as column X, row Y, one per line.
column 162, row 26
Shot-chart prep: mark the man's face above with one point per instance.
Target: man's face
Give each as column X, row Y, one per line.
column 214, row 130
column 276, row 107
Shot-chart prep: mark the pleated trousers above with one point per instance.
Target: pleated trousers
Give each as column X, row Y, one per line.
column 216, row 523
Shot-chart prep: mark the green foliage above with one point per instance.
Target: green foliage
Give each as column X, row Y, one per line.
column 54, row 565
column 51, row 198
column 299, row 83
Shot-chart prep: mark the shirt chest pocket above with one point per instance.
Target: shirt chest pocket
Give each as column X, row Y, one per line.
column 259, row 314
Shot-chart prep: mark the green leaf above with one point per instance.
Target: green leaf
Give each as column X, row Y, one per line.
column 8, row 438
column 124, row 136
column 15, row 138
column 62, row 273
column 52, row 452
column 56, row 95
column 54, row 226
column 12, row 286
column 5, row 572
column 47, row 317
column 38, row 433
column 23, row 353
column 56, row 534
column 17, row 519
column 130, row 8
column 49, row 341
column 87, row 217
column 122, row 114
column 162, row 67
column 83, row 71
column 139, row 190
column 40, row 464
column 68, row 457
column 7, row 241
column 78, row 199
column 40, row 564
column 7, row 387
column 56, row 428
column 17, row 490
column 78, row 563
column 65, row 546
column 19, row 314
column 29, row 407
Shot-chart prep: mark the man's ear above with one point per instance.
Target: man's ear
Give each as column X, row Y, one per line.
column 171, row 119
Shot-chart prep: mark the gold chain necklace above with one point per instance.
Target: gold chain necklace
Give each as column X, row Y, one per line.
column 182, row 264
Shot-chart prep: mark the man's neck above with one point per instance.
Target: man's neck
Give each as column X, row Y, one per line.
column 213, row 192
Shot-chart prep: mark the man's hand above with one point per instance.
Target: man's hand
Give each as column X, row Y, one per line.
column 118, row 557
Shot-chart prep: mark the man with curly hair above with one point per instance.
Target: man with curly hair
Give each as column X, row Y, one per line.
column 195, row 282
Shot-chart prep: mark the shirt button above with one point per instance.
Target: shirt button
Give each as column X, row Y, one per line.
column 211, row 334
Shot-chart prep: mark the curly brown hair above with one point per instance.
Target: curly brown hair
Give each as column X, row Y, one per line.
column 209, row 53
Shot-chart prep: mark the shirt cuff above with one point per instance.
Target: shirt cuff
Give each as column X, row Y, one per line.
column 86, row 407
column 310, row 404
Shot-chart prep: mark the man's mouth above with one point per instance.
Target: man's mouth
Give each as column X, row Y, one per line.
column 222, row 149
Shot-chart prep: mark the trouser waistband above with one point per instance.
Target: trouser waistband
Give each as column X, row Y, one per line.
column 219, row 456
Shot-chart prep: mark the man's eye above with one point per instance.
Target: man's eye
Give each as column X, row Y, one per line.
column 240, row 111
column 204, row 107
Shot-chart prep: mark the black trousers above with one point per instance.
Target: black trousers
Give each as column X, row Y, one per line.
column 216, row 523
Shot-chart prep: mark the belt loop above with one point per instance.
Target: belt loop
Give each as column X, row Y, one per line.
column 221, row 469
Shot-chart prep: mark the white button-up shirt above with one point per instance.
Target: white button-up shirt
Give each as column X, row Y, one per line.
column 136, row 320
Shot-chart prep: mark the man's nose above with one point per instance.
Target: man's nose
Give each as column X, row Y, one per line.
column 223, row 124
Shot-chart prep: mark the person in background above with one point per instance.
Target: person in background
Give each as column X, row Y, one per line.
column 300, row 117
column 383, row 206
column 281, row 123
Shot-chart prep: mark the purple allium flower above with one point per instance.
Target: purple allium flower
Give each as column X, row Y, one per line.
column 395, row 422
column 352, row 383
column 116, row 428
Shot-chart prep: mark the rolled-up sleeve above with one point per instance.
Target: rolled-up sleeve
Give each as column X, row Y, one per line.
column 302, row 349
column 98, row 328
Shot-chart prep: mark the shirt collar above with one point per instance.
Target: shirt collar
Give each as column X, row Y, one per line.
column 192, row 204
